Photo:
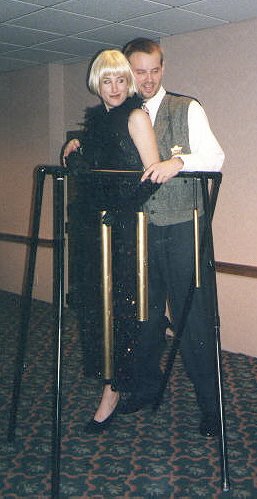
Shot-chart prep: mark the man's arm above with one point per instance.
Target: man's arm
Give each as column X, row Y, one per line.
column 206, row 153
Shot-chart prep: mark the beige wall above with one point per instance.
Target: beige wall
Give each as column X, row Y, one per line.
column 31, row 134
column 238, row 313
column 77, row 97
column 216, row 65
column 38, row 106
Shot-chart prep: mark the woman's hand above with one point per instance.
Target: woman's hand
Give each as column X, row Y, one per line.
column 162, row 172
column 71, row 146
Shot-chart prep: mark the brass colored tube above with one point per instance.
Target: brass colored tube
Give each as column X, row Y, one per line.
column 106, row 253
column 142, row 267
column 197, row 249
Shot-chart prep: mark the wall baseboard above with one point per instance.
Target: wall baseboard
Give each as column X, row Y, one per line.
column 236, row 269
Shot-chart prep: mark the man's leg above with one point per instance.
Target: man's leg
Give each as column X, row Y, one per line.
column 197, row 341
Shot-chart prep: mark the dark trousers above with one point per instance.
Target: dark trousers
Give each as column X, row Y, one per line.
column 171, row 267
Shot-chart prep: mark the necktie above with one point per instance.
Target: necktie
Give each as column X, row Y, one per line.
column 145, row 108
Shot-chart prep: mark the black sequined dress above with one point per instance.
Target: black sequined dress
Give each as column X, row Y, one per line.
column 107, row 140
column 108, row 145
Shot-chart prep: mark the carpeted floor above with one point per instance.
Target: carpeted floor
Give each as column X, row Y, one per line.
column 141, row 455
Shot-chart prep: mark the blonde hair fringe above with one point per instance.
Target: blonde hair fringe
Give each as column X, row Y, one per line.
column 110, row 62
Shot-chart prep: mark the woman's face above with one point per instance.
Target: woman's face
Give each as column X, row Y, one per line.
column 113, row 90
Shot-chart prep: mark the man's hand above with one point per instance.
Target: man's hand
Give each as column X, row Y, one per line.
column 72, row 146
column 162, row 172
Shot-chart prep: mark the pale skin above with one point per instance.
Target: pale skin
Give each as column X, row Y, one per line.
column 142, row 133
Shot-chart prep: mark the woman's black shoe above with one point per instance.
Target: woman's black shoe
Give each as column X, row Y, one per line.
column 97, row 427
column 135, row 404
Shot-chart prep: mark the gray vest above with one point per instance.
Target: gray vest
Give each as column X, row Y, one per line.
column 173, row 202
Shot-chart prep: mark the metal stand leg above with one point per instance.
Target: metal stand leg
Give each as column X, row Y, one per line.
column 58, row 301
column 209, row 207
column 222, row 439
column 26, row 304
column 58, row 282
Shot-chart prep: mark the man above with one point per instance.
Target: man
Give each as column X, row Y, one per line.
column 182, row 129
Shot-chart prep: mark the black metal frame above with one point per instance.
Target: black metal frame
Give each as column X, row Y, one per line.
column 58, row 174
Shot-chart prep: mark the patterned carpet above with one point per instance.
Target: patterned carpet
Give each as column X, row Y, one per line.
column 141, row 455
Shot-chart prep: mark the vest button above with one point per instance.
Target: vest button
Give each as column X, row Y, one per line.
column 152, row 212
column 153, row 198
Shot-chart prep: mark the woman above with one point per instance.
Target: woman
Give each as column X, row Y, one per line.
column 119, row 134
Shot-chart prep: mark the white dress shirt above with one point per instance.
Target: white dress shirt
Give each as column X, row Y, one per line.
column 206, row 153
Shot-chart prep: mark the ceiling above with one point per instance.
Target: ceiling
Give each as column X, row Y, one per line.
column 47, row 31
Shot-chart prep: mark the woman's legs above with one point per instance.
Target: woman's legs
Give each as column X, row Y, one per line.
column 124, row 311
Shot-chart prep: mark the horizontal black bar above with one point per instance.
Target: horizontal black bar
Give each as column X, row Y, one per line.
column 62, row 171
column 14, row 238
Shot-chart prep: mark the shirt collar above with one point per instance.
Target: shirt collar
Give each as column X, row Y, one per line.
column 154, row 102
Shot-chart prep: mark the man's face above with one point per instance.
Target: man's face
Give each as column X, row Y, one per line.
column 148, row 72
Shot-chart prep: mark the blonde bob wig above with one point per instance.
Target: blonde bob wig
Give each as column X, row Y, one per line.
column 110, row 62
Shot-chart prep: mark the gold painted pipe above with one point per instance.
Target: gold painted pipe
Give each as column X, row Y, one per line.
column 106, row 255
column 197, row 249
column 142, row 267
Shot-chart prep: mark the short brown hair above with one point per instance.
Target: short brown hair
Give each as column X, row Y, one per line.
column 110, row 62
column 142, row 45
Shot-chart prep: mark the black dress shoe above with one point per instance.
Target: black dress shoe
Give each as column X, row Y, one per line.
column 209, row 427
column 97, row 427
